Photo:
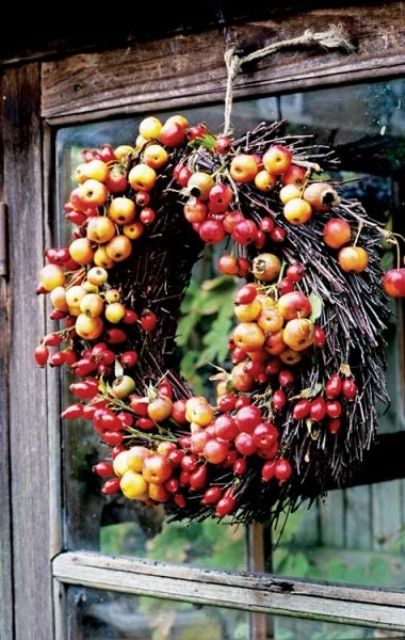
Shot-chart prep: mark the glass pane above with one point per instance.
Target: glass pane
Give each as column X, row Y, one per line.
column 357, row 535
column 104, row 615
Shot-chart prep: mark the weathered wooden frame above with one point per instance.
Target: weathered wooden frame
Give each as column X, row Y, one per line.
column 37, row 98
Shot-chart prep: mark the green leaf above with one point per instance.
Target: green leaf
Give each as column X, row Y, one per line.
column 316, row 307
column 207, row 141
column 185, row 328
column 226, row 282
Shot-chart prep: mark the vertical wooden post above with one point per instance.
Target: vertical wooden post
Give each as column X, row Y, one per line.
column 27, row 408
column 6, row 590
column 257, row 548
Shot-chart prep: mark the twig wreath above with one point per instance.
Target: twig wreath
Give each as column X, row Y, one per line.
column 297, row 407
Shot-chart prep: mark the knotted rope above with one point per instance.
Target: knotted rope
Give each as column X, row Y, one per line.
column 333, row 38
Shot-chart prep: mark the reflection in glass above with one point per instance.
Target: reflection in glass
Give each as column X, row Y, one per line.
column 357, row 535
column 103, row 615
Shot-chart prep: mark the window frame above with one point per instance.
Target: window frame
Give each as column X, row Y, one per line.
column 35, row 104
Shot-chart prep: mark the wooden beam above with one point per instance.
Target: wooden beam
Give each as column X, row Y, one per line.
column 259, row 593
column 28, row 404
column 185, row 68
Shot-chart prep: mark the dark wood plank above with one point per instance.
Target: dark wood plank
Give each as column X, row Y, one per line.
column 28, row 418
column 62, row 37
column 178, row 70
column 6, row 590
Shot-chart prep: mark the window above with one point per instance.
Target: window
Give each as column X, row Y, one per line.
column 356, row 537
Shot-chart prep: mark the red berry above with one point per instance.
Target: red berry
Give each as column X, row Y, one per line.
column 295, row 272
column 319, row 336
column 58, row 359
column 245, row 444
column 260, row 239
column 130, row 317
column 279, row 399
column 138, row 405
column 278, row 234
column 176, row 457
column 147, row 216
column 126, row 419
column 180, row 500
column 239, row 467
column 349, row 388
column 172, row 485
column 179, row 411
column 247, row 418
column 286, row 378
column 129, row 359
column 212, row 231
column 69, row 357
column 317, row 410
column 246, row 294
column 268, row 470
column 333, row 386
column 285, row 286
column 197, row 131
column 226, row 505
column 145, row 424
column 112, row 438
column 301, row 409
column 242, row 401
column 212, row 495
column 72, row 412
column 148, row 320
column 225, row 427
column 227, row 402
column 184, row 478
column 53, row 340
column 215, row 451
column 282, row 470
column 142, row 198
column 228, row 265
column 41, row 355
column 189, row 463
column 265, row 435
column 56, row 314
column 334, row 425
column 116, row 450
column 266, row 225
column 223, row 145
column 273, row 366
column 333, row 408
column 230, row 459
column 86, row 390
column 111, row 486
column 184, row 176
column 244, row 267
column 115, row 336
column 198, row 479
column 245, row 232
column 104, row 469
column 220, row 195
column 238, row 355
column 165, row 389
column 254, row 368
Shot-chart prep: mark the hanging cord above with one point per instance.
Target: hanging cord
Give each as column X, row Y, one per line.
column 333, row 38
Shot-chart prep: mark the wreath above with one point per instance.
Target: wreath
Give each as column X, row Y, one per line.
column 295, row 410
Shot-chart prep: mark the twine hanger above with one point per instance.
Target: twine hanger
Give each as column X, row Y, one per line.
column 335, row 37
